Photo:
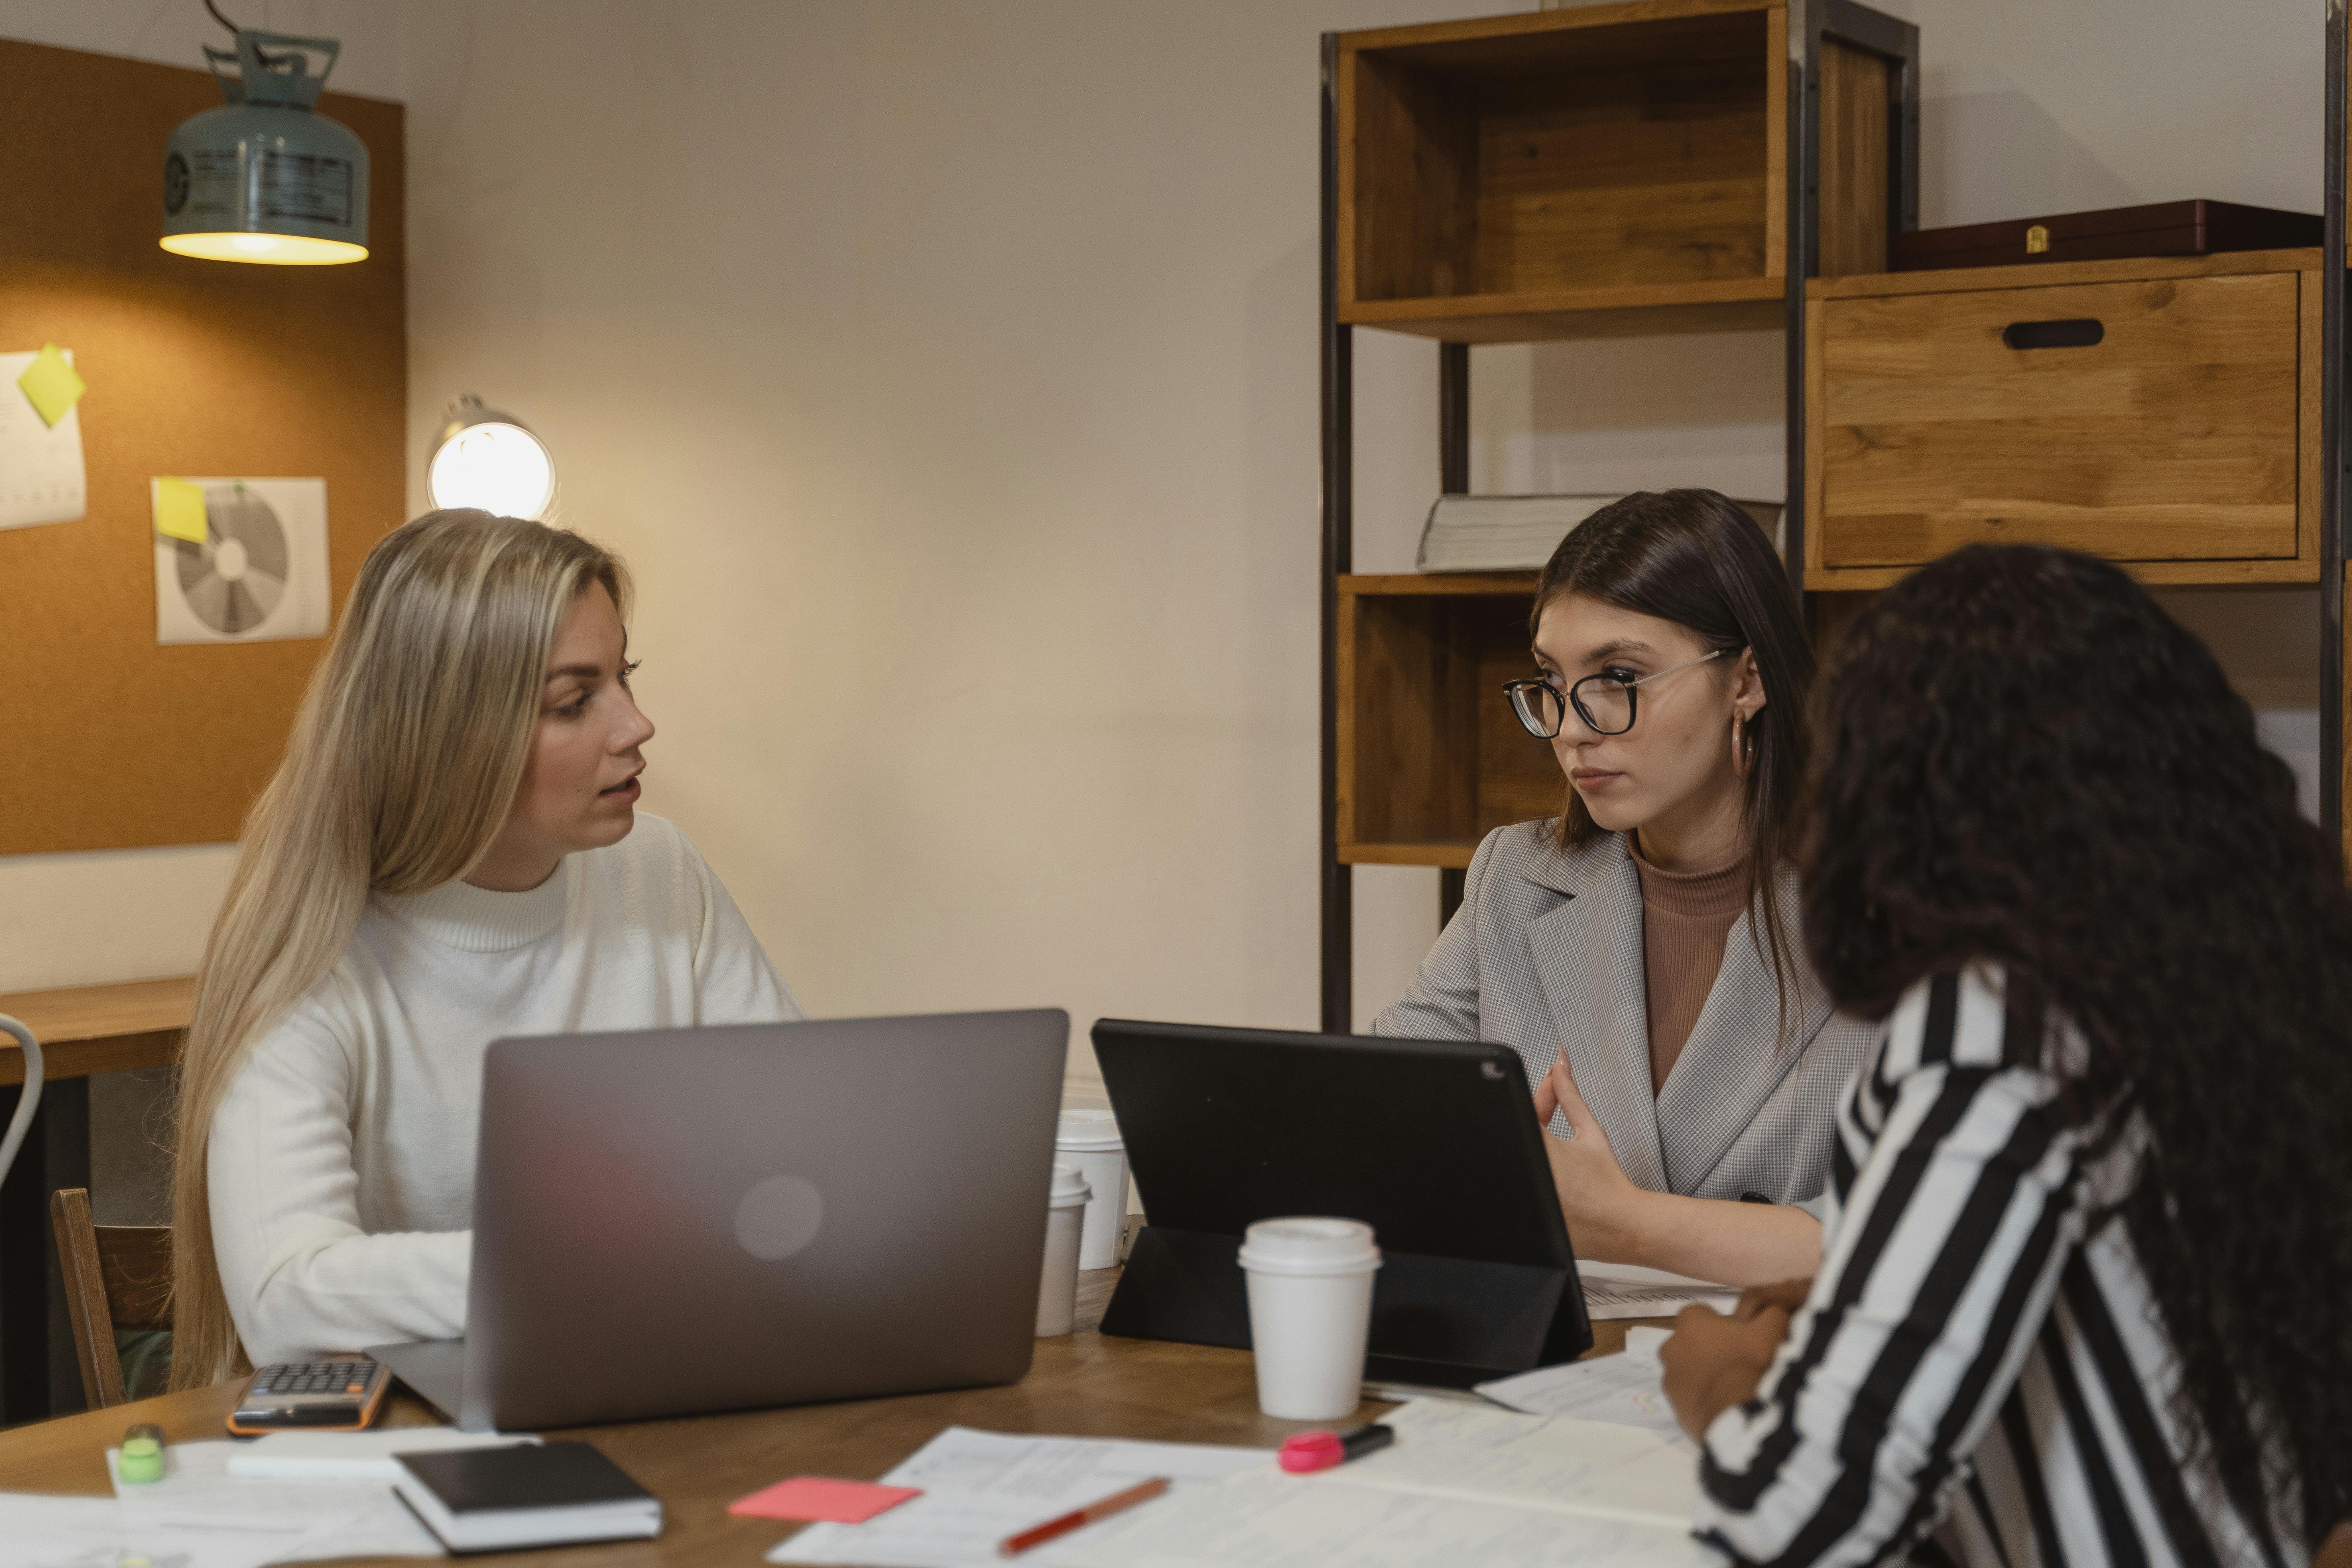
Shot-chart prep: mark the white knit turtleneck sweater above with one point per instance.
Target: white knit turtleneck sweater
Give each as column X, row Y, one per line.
column 342, row 1157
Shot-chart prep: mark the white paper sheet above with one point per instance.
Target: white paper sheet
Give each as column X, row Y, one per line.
column 981, row 1487
column 97, row 1533
column 1618, row 1388
column 1628, row 1290
column 1263, row 1519
column 261, row 576
column 1588, row 1469
column 320, row 1519
column 41, row 474
column 366, row 1456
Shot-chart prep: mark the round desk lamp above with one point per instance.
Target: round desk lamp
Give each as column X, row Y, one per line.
column 489, row 460
column 265, row 177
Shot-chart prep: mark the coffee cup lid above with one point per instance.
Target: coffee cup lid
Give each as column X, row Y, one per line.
column 1087, row 1129
column 1310, row 1244
column 1069, row 1188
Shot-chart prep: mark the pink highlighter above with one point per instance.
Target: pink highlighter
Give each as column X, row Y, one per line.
column 1308, row 1452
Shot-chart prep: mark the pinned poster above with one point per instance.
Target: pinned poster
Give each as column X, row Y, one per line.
column 41, row 474
column 257, row 570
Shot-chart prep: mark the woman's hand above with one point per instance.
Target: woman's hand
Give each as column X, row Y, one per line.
column 1611, row 1220
column 1714, row 1363
column 1604, row 1209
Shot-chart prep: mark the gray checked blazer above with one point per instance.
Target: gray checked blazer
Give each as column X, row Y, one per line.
column 1546, row 951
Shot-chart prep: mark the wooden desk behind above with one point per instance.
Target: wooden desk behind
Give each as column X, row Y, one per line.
column 84, row 1030
column 87, row 1029
column 1083, row 1385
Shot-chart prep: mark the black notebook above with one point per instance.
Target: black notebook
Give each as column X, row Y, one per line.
column 532, row 1494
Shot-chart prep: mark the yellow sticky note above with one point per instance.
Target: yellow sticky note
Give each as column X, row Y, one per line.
column 180, row 509
column 51, row 384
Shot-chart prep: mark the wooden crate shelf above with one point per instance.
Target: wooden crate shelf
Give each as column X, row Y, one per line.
column 2183, row 444
column 1430, row 757
column 1601, row 171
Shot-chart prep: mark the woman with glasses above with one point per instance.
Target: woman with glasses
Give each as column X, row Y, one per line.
column 1640, row 948
column 2082, row 1300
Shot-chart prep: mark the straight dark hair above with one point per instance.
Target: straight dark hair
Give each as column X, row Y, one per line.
column 1697, row 559
column 2025, row 760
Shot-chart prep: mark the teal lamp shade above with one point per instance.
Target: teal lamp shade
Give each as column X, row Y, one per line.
column 265, row 177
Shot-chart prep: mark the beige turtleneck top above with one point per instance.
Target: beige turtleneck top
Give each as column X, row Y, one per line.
column 1687, row 917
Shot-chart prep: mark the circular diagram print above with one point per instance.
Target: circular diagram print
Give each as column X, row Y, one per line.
column 233, row 580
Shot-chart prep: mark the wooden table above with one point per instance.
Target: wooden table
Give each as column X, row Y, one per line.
column 86, row 1029
column 1084, row 1384
column 83, row 1030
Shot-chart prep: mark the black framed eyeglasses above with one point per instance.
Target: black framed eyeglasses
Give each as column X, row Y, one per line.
column 1605, row 703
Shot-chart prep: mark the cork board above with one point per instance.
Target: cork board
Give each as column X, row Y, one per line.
column 194, row 367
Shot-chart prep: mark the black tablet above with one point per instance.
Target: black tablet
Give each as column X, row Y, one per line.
column 1433, row 1143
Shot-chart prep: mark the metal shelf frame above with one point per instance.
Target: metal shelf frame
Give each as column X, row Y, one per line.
column 2333, row 304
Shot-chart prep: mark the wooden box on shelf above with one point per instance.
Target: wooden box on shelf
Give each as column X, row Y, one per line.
column 1600, row 170
column 1431, row 759
column 2162, row 414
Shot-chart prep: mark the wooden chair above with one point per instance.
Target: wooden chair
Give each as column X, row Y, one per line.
column 115, row 1276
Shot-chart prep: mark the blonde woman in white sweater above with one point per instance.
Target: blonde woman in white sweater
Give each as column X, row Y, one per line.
column 449, row 853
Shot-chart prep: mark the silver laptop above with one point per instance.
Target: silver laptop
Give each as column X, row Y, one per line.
column 679, row 1221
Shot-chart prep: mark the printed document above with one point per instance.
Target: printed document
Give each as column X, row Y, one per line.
column 1629, row 1291
column 97, row 1533
column 1620, row 1388
column 317, row 1519
column 1263, row 1519
column 980, row 1487
column 1461, row 1485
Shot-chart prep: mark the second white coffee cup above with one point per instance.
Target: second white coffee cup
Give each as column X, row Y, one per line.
column 1058, row 1286
column 1310, row 1306
column 1090, row 1141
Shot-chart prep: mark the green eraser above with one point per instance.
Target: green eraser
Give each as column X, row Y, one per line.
column 141, row 1459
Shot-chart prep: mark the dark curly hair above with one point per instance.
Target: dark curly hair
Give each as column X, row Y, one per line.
column 2024, row 759
column 1699, row 560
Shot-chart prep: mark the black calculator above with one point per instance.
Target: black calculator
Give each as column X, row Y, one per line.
column 313, row 1395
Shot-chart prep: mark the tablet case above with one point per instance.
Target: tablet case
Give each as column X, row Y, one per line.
column 1433, row 1143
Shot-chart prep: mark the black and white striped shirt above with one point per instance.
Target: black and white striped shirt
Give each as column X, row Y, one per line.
column 1971, row 1366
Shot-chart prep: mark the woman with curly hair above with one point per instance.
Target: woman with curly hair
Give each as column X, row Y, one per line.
column 2083, row 1301
column 1640, row 949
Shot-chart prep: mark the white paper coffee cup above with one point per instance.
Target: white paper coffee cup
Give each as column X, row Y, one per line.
column 1090, row 1141
column 1310, row 1306
column 1058, row 1286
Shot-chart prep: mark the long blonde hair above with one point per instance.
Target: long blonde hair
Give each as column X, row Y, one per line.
column 404, row 760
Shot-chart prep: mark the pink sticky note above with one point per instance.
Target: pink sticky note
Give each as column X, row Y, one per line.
column 821, row 1498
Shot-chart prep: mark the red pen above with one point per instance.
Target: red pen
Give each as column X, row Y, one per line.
column 1038, row 1534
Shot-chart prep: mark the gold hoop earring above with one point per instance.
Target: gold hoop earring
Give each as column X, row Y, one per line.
column 1739, row 744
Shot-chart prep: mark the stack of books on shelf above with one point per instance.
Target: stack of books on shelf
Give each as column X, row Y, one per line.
column 1518, row 533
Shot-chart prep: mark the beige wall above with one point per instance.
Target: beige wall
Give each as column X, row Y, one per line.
column 948, row 370
column 949, row 373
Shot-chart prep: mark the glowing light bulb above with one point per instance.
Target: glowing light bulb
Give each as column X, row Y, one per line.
column 255, row 244
column 495, row 466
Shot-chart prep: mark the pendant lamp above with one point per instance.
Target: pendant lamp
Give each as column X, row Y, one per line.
column 265, row 177
column 489, row 460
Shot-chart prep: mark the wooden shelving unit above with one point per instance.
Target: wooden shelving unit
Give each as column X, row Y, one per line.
column 2183, row 443
column 1430, row 760
column 1646, row 168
